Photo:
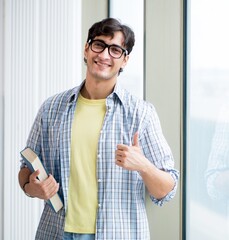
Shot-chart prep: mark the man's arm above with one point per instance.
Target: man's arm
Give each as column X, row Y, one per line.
column 23, row 177
column 222, row 182
column 34, row 187
column 158, row 182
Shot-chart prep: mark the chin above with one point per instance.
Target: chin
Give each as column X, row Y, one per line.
column 105, row 76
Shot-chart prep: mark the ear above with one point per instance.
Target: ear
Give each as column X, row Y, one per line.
column 125, row 60
column 86, row 47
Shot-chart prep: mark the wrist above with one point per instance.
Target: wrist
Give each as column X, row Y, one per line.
column 145, row 167
column 24, row 189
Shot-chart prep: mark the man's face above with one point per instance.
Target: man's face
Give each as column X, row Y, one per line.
column 102, row 66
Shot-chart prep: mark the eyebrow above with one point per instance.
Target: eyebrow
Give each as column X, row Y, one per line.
column 113, row 44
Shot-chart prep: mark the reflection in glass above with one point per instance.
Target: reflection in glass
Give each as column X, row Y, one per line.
column 207, row 198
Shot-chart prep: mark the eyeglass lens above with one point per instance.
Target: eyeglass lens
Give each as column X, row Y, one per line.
column 114, row 51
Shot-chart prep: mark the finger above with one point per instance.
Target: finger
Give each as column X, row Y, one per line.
column 135, row 140
column 50, row 181
column 53, row 189
column 122, row 147
column 34, row 175
column 120, row 153
column 118, row 162
column 50, row 189
column 119, row 158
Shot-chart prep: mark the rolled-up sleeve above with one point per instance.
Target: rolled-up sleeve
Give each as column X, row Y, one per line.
column 157, row 150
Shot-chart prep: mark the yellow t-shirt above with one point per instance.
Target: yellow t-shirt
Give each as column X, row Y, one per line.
column 82, row 194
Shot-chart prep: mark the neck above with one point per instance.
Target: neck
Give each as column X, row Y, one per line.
column 96, row 90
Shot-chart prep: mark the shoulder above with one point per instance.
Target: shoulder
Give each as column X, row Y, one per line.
column 58, row 102
column 135, row 104
column 62, row 98
column 59, row 99
column 138, row 112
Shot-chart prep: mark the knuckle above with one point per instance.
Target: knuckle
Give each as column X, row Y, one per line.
column 124, row 154
column 46, row 195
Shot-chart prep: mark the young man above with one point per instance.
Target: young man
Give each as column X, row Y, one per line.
column 102, row 146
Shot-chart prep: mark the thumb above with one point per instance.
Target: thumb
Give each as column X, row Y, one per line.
column 34, row 175
column 135, row 140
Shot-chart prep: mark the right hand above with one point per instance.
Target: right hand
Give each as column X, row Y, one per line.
column 43, row 190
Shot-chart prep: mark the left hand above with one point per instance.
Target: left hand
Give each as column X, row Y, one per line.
column 130, row 157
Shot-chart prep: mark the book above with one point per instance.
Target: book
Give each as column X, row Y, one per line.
column 34, row 163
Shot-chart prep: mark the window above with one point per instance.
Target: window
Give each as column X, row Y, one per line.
column 207, row 122
column 133, row 76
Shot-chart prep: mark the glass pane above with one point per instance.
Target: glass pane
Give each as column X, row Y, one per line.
column 132, row 78
column 207, row 165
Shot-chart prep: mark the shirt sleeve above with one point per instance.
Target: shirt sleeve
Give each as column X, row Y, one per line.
column 34, row 139
column 157, row 150
column 218, row 161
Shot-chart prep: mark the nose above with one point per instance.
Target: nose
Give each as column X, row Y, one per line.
column 105, row 53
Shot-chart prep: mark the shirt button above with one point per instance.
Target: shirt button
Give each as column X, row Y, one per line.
column 99, row 180
column 99, row 205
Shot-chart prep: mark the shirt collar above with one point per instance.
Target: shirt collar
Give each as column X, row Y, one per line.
column 118, row 92
column 74, row 93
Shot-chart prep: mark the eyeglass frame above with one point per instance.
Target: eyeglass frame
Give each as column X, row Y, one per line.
column 90, row 41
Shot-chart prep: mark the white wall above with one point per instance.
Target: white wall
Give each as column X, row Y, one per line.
column 92, row 11
column 42, row 57
column 1, row 116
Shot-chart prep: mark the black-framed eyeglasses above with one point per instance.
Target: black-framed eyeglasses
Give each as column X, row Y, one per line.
column 99, row 46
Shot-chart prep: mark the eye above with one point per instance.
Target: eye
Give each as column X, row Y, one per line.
column 116, row 50
column 98, row 45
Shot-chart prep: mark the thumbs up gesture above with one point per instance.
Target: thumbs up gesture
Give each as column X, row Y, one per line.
column 131, row 157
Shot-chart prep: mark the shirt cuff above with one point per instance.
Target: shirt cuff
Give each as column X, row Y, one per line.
column 170, row 195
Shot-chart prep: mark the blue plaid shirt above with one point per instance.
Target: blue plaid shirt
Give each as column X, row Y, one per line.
column 121, row 213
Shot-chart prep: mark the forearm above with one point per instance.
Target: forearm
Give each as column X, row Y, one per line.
column 159, row 183
column 23, row 177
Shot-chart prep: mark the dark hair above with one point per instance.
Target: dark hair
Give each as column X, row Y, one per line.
column 108, row 27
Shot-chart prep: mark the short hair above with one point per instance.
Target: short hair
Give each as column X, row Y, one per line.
column 108, row 27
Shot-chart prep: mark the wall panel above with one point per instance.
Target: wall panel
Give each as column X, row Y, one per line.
column 42, row 57
column 163, row 89
column 1, row 112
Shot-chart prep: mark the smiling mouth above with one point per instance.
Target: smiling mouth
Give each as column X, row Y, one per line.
column 102, row 64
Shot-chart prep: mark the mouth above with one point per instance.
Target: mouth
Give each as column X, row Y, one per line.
column 102, row 64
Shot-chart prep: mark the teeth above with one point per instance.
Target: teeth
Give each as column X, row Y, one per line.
column 102, row 64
